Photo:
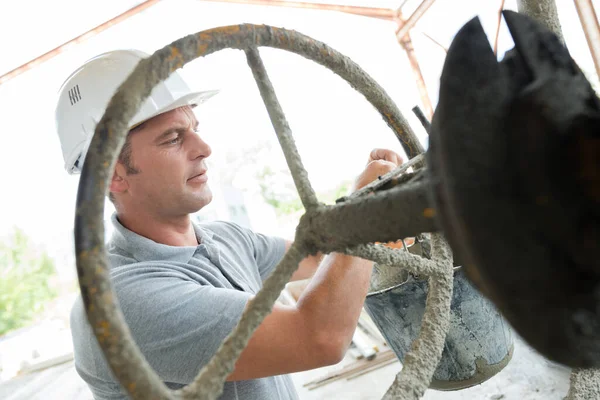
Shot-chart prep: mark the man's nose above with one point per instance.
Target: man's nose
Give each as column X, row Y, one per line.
column 198, row 147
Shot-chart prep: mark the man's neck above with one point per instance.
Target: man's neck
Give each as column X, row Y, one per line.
column 172, row 231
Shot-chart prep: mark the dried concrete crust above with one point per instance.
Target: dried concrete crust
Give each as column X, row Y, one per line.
column 585, row 385
column 544, row 11
column 420, row 363
column 483, row 371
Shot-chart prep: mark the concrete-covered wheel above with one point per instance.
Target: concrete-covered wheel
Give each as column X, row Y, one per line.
column 324, row 226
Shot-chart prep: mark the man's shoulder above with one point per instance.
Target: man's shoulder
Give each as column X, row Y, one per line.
column 226, row 231
column 219, row 226
column 117, row 256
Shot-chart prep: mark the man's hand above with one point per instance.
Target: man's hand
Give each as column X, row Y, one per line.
column 381, row 161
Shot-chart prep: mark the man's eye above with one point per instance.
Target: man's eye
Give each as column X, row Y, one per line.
column 175, row 140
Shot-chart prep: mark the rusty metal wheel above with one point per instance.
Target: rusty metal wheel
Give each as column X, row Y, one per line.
column 393, row 212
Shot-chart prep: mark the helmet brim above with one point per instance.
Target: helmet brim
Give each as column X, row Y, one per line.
column 190, row 99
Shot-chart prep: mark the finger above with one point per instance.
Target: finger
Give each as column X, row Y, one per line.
column 380, row 167
column 373, row 170
column 385, row 154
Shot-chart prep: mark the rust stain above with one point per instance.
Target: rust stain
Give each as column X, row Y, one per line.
column 203, row 40
column 202, row 47
column 176, row 57
column 281, row 38
column 104, row 333
column 131, row 387
column 429, row 212
column 224, row 30
column 231, row 29
column 392, row 122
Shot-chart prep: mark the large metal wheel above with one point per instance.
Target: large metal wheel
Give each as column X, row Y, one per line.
column 399, row 208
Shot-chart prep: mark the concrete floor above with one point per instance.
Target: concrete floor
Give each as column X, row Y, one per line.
column 527, row 377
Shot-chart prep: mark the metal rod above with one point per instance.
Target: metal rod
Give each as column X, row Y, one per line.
column 498, row 24
column 403, row 260
column 402, row 5
column 402, row 211
column 406, row 43
column 426, row 351
column 589, row 23
column 412, row 20
column 422, row 118
column 381, row 13
column 282, row 129
column 441, row 46
column 79, row 39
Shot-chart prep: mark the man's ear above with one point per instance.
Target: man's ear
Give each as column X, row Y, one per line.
column 119, row 183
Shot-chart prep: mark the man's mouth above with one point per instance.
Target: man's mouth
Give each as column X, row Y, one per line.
column 199, row 178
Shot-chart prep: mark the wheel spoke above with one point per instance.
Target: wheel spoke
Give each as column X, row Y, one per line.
column 420, row 362
column 384, row 216
column 401, row 260
column 282, row 129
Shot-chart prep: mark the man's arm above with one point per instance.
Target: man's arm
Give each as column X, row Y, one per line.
column 307, row 267
column 319, row 328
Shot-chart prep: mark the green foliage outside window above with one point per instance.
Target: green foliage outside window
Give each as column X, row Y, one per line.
column 284, row 197
column 25, row 281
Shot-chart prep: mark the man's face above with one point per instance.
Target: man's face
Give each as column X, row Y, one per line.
column 170, row 157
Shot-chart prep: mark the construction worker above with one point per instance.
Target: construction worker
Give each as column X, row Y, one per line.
column 181, row 285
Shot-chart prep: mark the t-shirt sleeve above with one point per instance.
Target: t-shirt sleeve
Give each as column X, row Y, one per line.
column 268, row 252
column 179, row 324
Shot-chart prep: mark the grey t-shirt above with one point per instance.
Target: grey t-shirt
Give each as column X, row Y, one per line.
column 180, row 303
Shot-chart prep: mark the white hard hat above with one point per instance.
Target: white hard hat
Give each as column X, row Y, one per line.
column 84, row 95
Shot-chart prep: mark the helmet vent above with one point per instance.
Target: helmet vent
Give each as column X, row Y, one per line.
column 74, row 94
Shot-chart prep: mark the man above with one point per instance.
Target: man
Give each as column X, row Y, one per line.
column 182, row 286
